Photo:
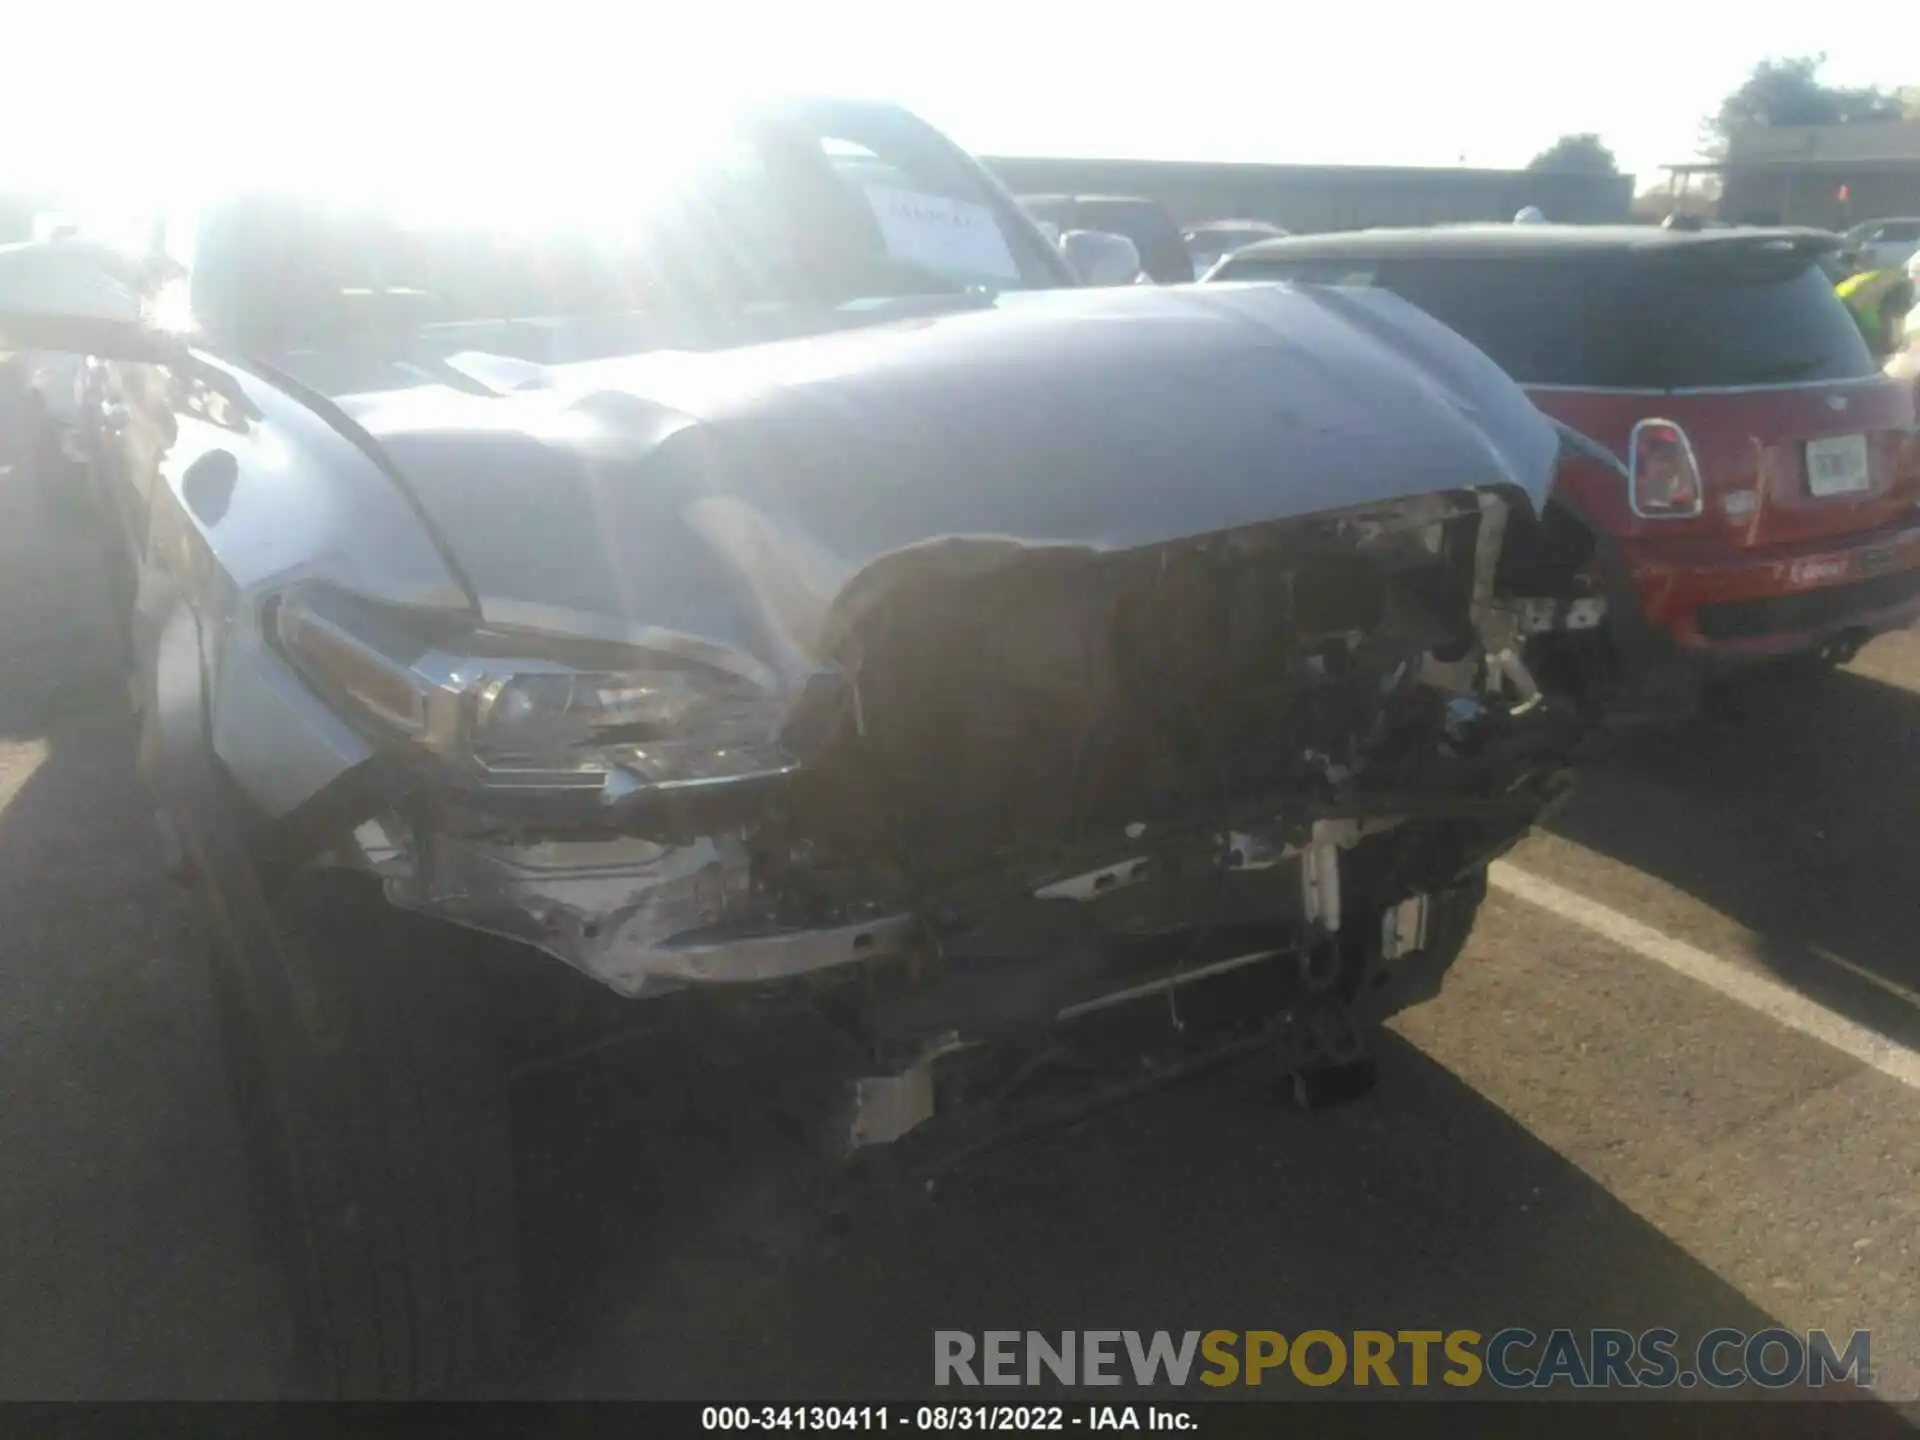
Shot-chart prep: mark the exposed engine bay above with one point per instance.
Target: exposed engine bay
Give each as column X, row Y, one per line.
column 1049, row 779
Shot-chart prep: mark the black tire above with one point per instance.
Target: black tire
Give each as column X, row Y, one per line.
column 373, row 1094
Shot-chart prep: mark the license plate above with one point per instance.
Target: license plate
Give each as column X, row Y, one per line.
column 1828, row 569
column 1818, row 570
column 1837, row 466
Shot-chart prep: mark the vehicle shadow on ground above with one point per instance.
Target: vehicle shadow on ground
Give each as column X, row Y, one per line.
column 1205, row 1206
column 132, row 1266
column 1793, row 808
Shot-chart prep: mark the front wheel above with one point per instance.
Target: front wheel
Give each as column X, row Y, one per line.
column 373, row 1093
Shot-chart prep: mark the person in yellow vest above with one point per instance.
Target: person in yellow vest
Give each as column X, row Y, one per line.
column 1878, row 301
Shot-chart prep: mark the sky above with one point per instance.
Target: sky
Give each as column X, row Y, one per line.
column 112, row 96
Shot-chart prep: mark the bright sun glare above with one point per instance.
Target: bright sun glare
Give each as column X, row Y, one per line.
column 570, row 97
column 404, row 107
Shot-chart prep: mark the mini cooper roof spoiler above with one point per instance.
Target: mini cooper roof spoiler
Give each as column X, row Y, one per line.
column 1804, row 245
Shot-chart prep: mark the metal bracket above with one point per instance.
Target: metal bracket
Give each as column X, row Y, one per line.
column 1536, row 615
column 885, row 1107
column 381, row 852
column 1093, row 884
column 1320, row 882
column 1507, row 666
column 1403, row 929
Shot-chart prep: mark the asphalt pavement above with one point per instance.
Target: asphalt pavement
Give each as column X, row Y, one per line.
column 1671, row 1083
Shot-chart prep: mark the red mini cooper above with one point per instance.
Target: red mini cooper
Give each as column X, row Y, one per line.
column 1761, row 493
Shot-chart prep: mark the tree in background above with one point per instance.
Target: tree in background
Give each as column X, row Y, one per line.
column 1789, row 92
column 1582, row 154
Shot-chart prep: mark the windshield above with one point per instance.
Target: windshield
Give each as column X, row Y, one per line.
column 825, row 204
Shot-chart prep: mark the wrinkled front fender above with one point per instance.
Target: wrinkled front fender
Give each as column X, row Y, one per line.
column 258, row 488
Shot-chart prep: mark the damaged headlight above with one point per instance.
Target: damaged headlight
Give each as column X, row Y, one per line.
column 529, row 711
column 658, row 726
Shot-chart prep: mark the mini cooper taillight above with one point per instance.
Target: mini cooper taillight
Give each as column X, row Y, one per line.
column 1663, row 478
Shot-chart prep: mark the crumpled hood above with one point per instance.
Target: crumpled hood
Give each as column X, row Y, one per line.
column 731, row 495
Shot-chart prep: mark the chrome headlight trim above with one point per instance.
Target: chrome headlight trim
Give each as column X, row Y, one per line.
column 633, row 720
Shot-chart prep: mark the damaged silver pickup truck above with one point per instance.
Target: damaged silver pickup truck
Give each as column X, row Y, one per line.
column 814, row 607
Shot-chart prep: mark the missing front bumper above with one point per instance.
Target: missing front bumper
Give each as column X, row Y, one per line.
column 643, row 917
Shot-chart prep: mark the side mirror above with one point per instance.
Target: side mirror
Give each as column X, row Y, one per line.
column 77, row 296
column 1100, row 258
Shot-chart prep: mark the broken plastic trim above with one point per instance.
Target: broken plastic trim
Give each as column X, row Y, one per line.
column 637, row 915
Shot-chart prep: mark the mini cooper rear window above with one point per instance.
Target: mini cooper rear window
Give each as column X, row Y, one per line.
column 1617, row 321
column 1709, row 326
column 1543, row 323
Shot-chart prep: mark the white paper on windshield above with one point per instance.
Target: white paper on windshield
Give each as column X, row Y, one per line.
column 941, row 233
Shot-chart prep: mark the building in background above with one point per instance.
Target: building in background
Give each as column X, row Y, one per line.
column 1311, row 198
column 1831, row 176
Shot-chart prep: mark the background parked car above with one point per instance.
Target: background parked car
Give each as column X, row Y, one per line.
column 1210, row 241
column 1096, row 257
column 1163, row 255
column 1757, row 488
column 1883, row 244
column 1100, row 257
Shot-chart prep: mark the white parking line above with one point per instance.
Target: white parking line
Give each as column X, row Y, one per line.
column 1769, row 997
